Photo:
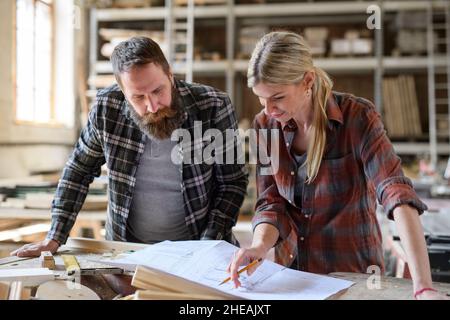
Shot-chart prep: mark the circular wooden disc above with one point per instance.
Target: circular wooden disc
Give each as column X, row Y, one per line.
column 65, row 290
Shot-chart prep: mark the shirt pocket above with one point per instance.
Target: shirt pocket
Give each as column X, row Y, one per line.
column 338, row 177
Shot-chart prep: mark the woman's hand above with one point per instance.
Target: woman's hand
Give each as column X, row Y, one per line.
column 243, row 257
column 431, row 295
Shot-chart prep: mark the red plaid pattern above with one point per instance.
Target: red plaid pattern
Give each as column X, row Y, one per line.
column 334, row 228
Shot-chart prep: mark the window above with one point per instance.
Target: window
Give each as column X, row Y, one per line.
column 34, row 67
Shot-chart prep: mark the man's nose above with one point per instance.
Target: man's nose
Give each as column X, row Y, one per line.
column 152, row 106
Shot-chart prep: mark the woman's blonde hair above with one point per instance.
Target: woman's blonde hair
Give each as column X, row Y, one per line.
column 283, row 58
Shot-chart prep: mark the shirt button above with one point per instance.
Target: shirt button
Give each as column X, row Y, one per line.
column 292, row 173
column 291, row 256
column 307, row 216
column 302, row 239
column 289, row 201
column 287, row 144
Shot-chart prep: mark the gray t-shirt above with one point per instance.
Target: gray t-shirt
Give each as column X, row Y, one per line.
column 300, row 178
column 157, row 208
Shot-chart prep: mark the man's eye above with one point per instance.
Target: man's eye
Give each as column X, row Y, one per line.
column 139, row 98
column 278, row 98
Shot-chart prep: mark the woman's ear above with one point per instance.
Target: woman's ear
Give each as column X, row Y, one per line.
column 309, row 78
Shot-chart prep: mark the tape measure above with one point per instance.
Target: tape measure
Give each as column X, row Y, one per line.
column 73, row 267
column 71, row 264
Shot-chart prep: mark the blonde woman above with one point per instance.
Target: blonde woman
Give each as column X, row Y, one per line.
column 335, row 161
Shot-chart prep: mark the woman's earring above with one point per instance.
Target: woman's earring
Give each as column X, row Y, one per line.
column 308, row 93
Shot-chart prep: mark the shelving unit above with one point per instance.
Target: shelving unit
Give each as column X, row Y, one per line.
column 232, row 70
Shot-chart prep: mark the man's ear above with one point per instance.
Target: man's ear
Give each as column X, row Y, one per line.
column 171, row 78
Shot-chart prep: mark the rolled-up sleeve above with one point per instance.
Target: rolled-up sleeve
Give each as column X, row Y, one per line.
column 382, row 166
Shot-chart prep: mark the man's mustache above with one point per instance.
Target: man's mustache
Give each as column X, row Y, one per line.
column 161, row 114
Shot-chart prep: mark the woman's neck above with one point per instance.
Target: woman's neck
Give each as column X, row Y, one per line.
column 304, row 115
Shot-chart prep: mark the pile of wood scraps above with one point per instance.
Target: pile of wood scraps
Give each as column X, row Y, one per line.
column 115, row 36
column 401, row 109
column 37, row 192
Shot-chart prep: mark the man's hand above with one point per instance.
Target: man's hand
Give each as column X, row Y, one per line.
column 35, row 249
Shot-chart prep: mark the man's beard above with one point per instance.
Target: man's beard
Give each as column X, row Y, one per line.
column 161, row 124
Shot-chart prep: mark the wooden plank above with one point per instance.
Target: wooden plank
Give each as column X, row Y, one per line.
column 101, row 246
column 161, row 295
column 387, row 108
column 47, row 260
column 13, row 259
column 15, row 290
column 415, row 106
column 43, row 200
column 146, row 278
column 4, row 290
column 406, row 106
column 393, row 107
column 28, row 276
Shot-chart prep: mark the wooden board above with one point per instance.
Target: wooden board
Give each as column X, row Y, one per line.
column 28, row 276
column 43, row 200
column 65, row 290
column 4, row 290
column 12, row 259
column 161, row 295
column 146, row 278
column 99, row 246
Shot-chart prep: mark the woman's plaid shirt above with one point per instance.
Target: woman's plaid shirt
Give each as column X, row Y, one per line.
column 212, row 193
column 334, row 228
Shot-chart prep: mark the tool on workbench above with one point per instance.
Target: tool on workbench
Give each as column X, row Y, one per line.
column 71, row 264
column 47, row 260
column 84, row 267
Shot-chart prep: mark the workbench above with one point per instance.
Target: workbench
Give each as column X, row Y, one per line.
column 390, row 288
column 93, row 220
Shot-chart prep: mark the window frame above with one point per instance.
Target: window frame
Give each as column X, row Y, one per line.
column 53, row 122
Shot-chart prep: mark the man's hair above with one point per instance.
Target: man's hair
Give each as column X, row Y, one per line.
column 135, row 52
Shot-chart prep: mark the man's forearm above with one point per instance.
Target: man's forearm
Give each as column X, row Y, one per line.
column 410, row 230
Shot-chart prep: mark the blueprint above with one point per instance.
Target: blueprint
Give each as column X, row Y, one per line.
column 205, row 262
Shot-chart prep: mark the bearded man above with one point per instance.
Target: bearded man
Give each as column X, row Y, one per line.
column 152, row 196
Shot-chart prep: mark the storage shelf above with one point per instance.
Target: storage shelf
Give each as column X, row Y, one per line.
column 258, row 10
column 260, row 13
column 355, row 64
column 159, row 13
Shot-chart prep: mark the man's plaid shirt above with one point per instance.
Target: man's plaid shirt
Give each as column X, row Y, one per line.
column 212, row 193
